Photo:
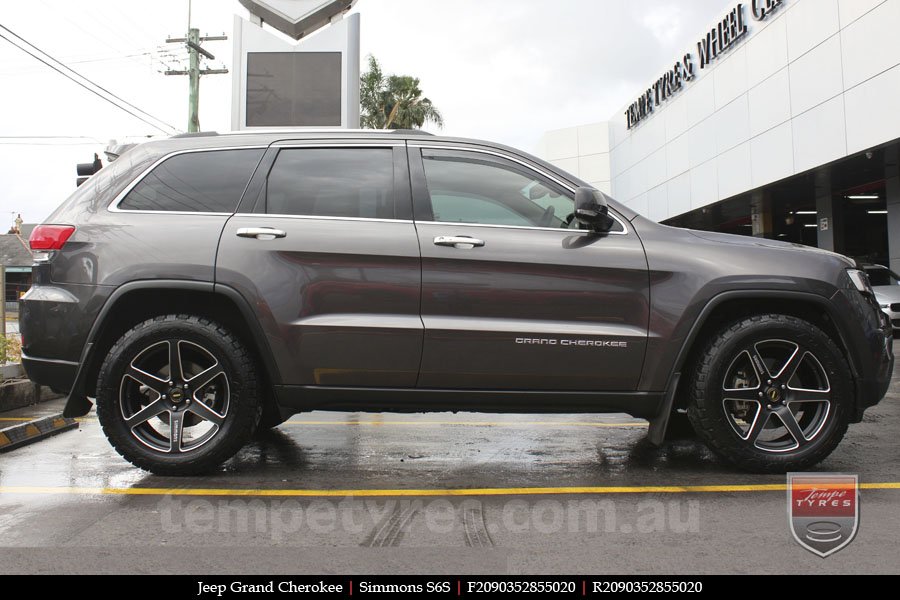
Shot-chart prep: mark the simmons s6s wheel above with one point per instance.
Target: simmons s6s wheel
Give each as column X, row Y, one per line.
column 771, row 393
column 178, row 395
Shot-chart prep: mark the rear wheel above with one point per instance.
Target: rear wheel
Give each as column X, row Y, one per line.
column 771, row 393
column 178, row 395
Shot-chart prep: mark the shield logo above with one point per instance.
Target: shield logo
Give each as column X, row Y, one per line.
column 823, row 510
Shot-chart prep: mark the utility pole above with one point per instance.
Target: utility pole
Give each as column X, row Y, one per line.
column 192, row 41
column 3, row 306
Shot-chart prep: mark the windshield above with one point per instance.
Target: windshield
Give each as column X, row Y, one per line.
column 882, row 277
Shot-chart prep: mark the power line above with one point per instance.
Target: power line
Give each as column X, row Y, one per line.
column 93, row 91
column 122, row 100
column 103, row 40
column 54, row 144
column 158, row 50
column 50, row 137
column 82, row 84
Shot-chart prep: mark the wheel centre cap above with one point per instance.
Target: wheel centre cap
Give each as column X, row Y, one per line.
column 773, row 394
column 177, row 395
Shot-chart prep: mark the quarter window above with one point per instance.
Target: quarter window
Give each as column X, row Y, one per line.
column 332, row 182
column 212, row 181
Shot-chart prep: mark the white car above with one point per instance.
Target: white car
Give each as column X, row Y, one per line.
column 886, row 285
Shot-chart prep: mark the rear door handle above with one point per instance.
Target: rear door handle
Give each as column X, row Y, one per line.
column 261, row 233
column 462, row 242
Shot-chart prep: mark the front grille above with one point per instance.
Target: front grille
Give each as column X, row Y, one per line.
column 895, row 307
column 895, row 322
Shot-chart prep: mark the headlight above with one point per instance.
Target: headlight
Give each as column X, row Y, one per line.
column 860, row 281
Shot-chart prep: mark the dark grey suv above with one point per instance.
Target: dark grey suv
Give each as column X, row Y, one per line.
column 203, row 287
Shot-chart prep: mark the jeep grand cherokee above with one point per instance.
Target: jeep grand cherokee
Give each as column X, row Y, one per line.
column 205, row 286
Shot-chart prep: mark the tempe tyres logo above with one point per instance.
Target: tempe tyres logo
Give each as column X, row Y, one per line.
column 823, row 510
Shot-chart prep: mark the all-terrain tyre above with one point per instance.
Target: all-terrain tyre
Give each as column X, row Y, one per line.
column 771, row 393
column 178, row 395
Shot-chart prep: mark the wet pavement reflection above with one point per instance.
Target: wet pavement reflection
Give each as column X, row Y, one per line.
column 332, row 451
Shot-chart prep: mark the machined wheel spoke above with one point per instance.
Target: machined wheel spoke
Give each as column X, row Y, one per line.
column 203, row 379
column 176, row 431
column 758, row 364
column 759, row 423
column 176, row 372
column 746, row 417
column 204, row 412
column 787, row 418
column 788, row 366
column 153, row 409
column 793, row 363
column 811, row 395
column 743, row 394
column 154, row 383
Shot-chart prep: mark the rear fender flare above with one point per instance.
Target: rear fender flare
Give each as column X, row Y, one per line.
column 78, row 404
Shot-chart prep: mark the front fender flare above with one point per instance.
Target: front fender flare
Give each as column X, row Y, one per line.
column 657, row 432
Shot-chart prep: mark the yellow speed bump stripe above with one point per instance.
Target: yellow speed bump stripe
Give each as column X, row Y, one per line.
column 524, row 491
column 27, row 432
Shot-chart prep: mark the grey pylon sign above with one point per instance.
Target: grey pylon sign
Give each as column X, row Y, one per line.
column 297, row 18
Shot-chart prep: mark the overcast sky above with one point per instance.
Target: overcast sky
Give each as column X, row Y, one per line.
column 504, row 70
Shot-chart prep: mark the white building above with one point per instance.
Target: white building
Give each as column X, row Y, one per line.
column 781, row 120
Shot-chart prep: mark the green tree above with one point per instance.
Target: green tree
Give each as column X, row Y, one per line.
column 393, row 101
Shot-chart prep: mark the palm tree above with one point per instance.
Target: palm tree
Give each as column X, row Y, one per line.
column 371, row 92
column 394, row 102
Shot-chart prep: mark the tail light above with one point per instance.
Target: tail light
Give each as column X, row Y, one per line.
column 50, row 237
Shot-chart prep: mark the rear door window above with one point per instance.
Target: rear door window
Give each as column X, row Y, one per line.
column 332, row 182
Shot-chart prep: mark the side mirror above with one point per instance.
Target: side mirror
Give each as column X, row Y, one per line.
column 592, row 210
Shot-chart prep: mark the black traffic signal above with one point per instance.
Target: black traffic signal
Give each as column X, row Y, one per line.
column 85, row 170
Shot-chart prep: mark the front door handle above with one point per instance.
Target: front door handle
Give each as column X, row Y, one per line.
column 260, row 233
column 463, row 242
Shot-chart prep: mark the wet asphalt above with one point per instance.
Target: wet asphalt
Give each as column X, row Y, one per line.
column 436, row 493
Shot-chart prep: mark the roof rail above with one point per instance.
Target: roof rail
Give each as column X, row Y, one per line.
column 412, row 132
column 195, row 134
column 303, row 130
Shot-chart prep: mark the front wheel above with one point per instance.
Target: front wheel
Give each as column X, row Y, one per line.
column 770, row 394
column 178, row 395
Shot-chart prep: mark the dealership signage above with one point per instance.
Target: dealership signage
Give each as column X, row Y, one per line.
column 719, row 40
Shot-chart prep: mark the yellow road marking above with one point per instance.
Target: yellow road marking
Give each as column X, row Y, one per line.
column 523, row 491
